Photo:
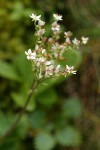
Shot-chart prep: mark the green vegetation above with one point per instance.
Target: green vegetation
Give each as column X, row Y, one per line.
column 52, row 119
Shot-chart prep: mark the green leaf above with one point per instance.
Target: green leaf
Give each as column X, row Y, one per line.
column 24, row 67
column 20, row 97
column 72, row 58
column 48, row 97
column 44, row 141
column 72, row 108
column 8, row 71
column 5, row 122
column 38, row 119
column 20, row 100
column 68, row 137
column 10, row 144
column 22, row 128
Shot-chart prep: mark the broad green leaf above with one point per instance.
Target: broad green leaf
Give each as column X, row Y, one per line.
column 48, row 97
column 24, row 67
column 10, row 144
column 20, row 97
column 5, row 122
column 8, row 71
column 37, row 119
column 44, row 141
column 68, row 137
column 20, row 100
column 72, row 58
column 72, row 108
column 22, row 127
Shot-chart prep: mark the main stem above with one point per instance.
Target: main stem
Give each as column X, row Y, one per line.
column 9, row 131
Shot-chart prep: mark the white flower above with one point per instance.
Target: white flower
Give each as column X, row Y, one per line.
column 57, row 69
column 55, row 26
column 36, row 47
column 57, row 17
column 41, row 23
column 55, row 54
column 43, row 51
column 35, row 17
column 67, row 34
column 55, row 46
column 48, row 63
column 84, row 40
column 50, row 40
column 62, row 47
column 41, row 31
column 68, row 41
column 70, row 69
column 30, row 54
column 76, row 42
column 39, row 61
column 49, row 71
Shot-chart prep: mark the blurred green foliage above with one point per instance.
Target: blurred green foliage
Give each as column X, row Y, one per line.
column 49, row 121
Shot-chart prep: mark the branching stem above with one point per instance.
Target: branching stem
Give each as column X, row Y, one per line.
column 15, row 123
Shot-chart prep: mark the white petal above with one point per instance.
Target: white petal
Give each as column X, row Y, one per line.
column 26, row 53
column 48, row 63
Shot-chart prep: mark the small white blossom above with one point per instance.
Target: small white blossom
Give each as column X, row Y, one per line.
column 55, row 26
column 67, row 34
column 41, row 32
column 30, row 54
column 50, row 40
column 49, row 71
column 36, row 47
column 55, row 54
column 68, row 41
column 39, row 61
column 57, row 17
column 55, row 46
column 62, row 47
column 57, row 69
column 35, row 17
column 84, row 40
column 43, row 51
column 48, row 63
column 76, row 42
column 41, row 23
column 70, row 69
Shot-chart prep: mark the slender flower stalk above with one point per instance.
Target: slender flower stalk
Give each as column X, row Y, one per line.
column 20, row 115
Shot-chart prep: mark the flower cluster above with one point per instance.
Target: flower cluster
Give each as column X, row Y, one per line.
column 48, row 51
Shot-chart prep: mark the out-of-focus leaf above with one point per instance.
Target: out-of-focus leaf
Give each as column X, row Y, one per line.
column 5, row 122
column 68, row 137
column 20, row 97
column 8, row 71
column 24, row 67
column 10, row 144
column 44, row 141
column 18, row 11
column 72, row 108
column 20, row 101
column 72, row 58
column 22, row 127
column 37, row 119
column 48, row 97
